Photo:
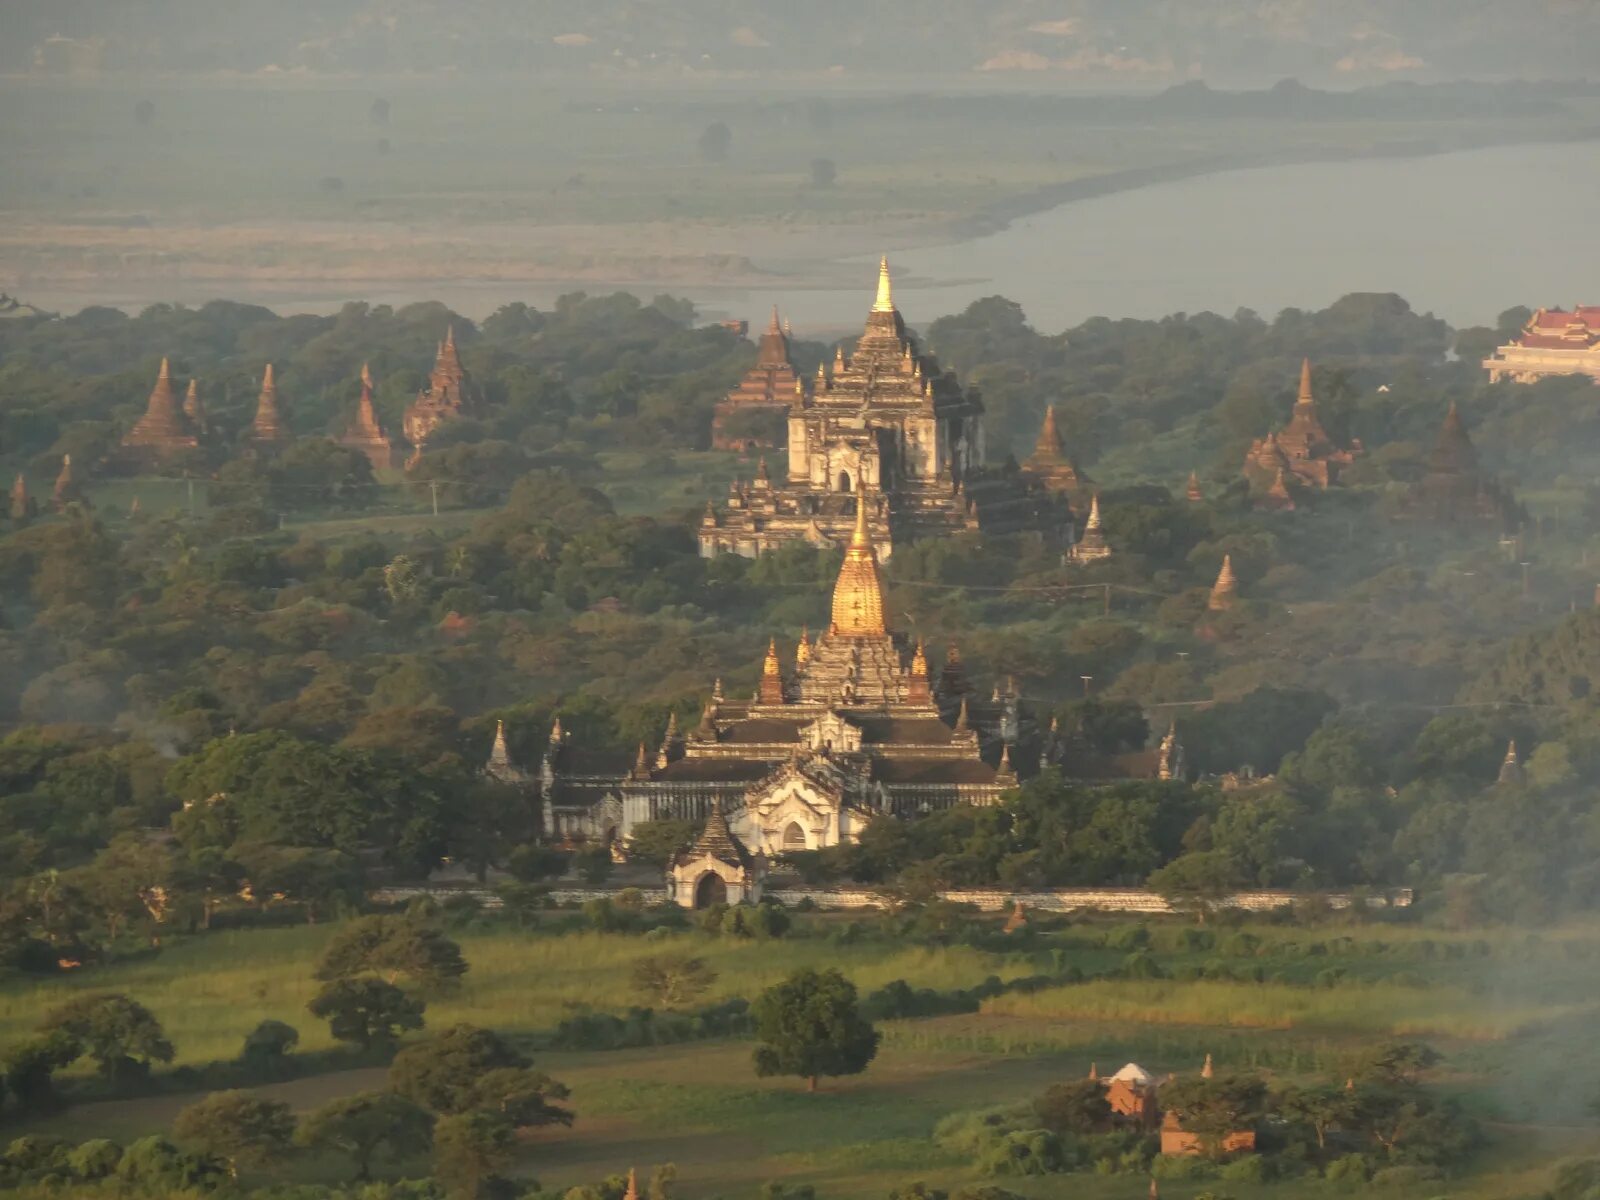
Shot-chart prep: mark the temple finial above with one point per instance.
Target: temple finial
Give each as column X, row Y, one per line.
column 774, row 326
column 885, row 300
column 1305, row 382
column 266, row 379
column 366, row 376
column 166, row 372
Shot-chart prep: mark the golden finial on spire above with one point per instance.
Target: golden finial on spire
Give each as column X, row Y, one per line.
column 919, row 660
column 633, row 1186
column 802, row 652
column 885, row 300
column 769, row 666
column 366, row 376
column 858, row 604
column 166, row 372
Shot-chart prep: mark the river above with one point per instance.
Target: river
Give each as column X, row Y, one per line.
column 1463, row 235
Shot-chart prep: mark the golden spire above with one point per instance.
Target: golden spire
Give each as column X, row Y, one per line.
column 633, row 1186
column 1207, row 1071
column 858, row 604
column 770, row 666
column 774, row 326
column 802, row 652
column 1094, row 513
column 1094, row 1071
column 1223, row 590
column 885, row 301
column 499, row 754
column 919, row 660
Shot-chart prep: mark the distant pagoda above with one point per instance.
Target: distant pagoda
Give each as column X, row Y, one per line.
column 450, row 394
column 1455, row 489
column 890, row 421
column 767, row 388
column 67, row 489
column 194, row 411
column 1050, row 464
column 1302, row 448
column 267, row 431
column 163, row 431
column 21, row 506
column 1225, row 590
column 364, row 435
column 1092, row 546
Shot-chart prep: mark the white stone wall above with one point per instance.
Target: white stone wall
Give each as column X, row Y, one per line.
column 1129, row 900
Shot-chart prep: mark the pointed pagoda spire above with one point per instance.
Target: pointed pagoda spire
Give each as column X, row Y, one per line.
column 1222, row 591
column 194, row 408
column 1207, row 1071
column 1005, row 773
column 633, row 1186
column 919, row 660
column 1094, row 514
column 963, row 724
column 1094, row 1070
column 1049, row 440
column 556, row 735
column 1278, row 496
column 267, row 427
column 858, row 602
column 884, row 302
column 770, row 690
column 161, row 429
column 1305, row 396
column 66, row 489
column 1510, row 768
column 499, row 754
column 1192, row 492
column 21, row 503
column 802, row 652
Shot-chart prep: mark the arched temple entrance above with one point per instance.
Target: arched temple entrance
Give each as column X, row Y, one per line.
column 845, row 482
column 794, row 838
column 711, row 890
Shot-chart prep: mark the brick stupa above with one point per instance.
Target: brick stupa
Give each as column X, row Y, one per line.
column 267, row 431
column 162, row 431
column 767, row 389
column 1050, row 464
column 364, row 435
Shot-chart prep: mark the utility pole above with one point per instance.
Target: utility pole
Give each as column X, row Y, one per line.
column 433, row 486
column 190, row 482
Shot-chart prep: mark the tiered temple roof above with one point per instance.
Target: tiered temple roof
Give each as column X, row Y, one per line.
column 1455, row 488
column 364, row 434
column 854, row 729
column 770, row 386
column 1302, row 448
column 890, row 420
column 1553, row 342
column 1050, row 463
column 450, row 394
column 163, row 430
column 267, row 430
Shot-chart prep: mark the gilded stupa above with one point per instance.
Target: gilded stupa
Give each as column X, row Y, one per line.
column 853, row 729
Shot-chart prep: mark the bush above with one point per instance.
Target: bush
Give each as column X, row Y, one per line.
column 37, row 1152
column 1141, row 966
column 1128, row 937
column 156, row 1165
column 1241, row 945
column 95, row 1159
column 1251, row 1168
column 1025, row 1152
column 266, row 1047
column 1351, row 1168
column 1179, row 1167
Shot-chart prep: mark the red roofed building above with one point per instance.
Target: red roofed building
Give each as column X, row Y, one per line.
column 1553, row 342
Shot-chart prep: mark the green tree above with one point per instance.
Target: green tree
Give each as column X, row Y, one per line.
column 1320, row 1107
column 673, row 980
column 362, row 1124
column 1213, row 1108
column 29, row 1068
column 469, row 1148
column 1077, row 1107
column 392, row 946
column 808, row 1025
column 121, row 1035
column 466, row 1067
column 1198, row 882
column 238, row 1127
column 369, row 1012
column 266, row 1047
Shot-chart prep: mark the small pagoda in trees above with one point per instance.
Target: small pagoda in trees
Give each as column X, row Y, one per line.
column 450, row 394
column 364, row 435
column 756, row 412
column 267, row 432
column 1301, row 450
column 1050, row 463
column 1455, row 489
column 163, row 432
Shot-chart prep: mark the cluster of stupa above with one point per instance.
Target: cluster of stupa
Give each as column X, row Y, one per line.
column 1301, row 454
column 168, row 430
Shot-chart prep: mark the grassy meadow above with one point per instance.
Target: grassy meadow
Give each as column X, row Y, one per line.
column 1511, row 1011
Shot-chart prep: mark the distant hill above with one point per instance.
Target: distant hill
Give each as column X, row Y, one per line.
column 1104, row 42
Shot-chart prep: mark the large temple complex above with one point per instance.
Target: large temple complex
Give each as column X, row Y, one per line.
column 888, row 421
column 1553, row 342
column 853, row 725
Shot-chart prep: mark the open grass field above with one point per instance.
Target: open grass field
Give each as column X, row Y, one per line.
column 1513, row 1012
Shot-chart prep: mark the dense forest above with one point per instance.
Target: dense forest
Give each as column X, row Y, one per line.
column 318, row 649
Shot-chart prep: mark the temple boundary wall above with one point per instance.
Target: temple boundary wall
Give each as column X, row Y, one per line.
column 1109, row 900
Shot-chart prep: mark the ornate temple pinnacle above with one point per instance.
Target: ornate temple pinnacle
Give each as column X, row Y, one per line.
column 885, row 299
column 858, row 605
column 1305, row 383
column 769, row 666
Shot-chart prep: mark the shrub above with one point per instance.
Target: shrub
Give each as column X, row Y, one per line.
column 156, row 1165
column 37, row 1152
column 95, row 1159
column 1025, row 1152
column 1128, row 937
column 1241, row 945
column 266, row 1047
column 1251, row 1168
column 1351, row 1168
column 1141, row 966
